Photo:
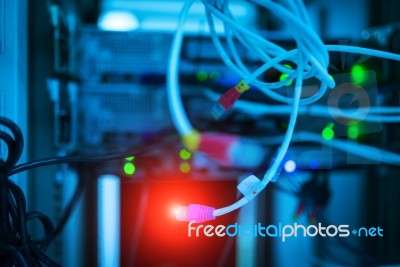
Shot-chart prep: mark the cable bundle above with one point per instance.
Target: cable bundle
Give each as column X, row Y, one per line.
column 310, row 47
column 16, row 245
column 310, row 60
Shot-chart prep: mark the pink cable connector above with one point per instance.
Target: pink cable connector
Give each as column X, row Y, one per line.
column 195, row 212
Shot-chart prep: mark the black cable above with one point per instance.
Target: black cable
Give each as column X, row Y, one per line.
column 14, row 251
column 12, row 209
column 43, row 257
column 89, row 158
column 4, row 165
column 82, row 183
column 15, row 231
column 47, row 225
column 80, row 188
column 22, row 222
column 16, row 246
column 5, row 223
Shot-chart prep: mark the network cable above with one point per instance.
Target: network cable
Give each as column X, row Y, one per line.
column 365, row 114
column 16, row 245
column 311, row 58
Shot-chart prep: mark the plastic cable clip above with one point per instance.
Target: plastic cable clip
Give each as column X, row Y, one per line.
column 250, row 187
column 242, row 87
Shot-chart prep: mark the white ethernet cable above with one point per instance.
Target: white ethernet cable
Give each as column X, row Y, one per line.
column 283, row 55
column 258, row 40
column 373, row 114
column 194, row 211
column 177, row 111
column 351, row 147
column 191, row 138
column 272, row 170
column 201, row 212
column 251, row 186
column 311, row 58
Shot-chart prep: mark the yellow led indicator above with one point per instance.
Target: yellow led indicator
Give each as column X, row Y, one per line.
column 185, row 167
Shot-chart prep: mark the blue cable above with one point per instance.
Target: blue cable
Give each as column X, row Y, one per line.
column 277, row 161
column 177, row 111
column 311, row 59
column 363, row 51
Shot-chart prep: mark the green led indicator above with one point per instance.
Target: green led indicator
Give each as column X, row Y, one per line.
column 185, row 167
column 358, row 75
column 184, row 154
column 129, row 168
column 328, row 133
column 201, row 76
column 283, row 77
column 352, row 132
column 129, row 158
